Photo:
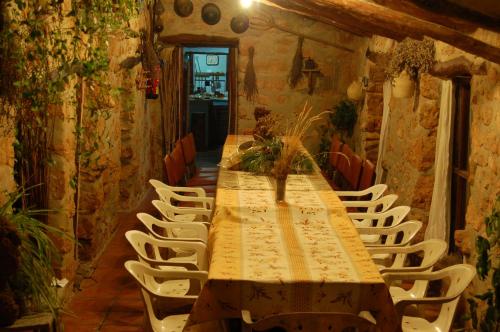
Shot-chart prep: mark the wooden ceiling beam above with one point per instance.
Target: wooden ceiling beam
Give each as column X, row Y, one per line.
column 311, row 14
column 444, row 17
column 390, row 22
column 315, row 11
column 457, row 11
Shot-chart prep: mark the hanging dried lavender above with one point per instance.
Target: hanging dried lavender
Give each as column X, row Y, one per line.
column 250, row 80
column 296, row 71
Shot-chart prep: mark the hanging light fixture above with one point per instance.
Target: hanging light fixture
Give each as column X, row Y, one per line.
column 246, row 3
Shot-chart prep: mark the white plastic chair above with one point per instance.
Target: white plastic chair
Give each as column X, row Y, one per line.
column 186, row 214
column 181, row 231
column 376, row 206
column 458, row 278
column 375, row 192
column 151, row 296
column 149, row 250
column 191, row 194
column 388, row 218
column 432, row 250
column 307, row 322
column 400, row 235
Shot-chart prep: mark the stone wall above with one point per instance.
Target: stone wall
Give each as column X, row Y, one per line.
column 7, row 183
column 274, row 51
column 129, row 153
column 412, row 129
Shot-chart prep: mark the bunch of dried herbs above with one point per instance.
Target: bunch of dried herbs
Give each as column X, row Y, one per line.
column 412, row 55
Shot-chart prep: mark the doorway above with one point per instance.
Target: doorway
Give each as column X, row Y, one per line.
column 208, row 97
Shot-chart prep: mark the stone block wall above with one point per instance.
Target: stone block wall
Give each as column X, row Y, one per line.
column 129, row 152
column 274, row 52
column 412, row 129
column 7, row 183
column 411, row 148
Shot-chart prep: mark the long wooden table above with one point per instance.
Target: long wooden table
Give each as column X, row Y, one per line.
column 301, row 255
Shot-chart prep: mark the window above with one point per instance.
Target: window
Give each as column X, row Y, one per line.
column 460, row 155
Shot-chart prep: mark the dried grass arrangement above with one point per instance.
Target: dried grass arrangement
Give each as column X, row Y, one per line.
column 292, row 142
column 250, row 81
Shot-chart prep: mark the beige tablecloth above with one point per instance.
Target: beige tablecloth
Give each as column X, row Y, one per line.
column 302, row 255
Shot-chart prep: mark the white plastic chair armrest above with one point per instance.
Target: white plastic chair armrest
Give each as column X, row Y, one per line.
column 199, row 227
column 402, row 304
column 365, row 192
column 199, row 247
column 200, row 192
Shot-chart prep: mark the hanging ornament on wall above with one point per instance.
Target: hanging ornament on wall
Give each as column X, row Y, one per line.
column 183, row 8
column 296, row 71
column 210, row 14
column 240, row 23
column 250, row 80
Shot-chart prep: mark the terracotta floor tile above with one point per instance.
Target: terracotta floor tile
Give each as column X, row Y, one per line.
column 125, row 318
column 121, row 328
column 110, row 299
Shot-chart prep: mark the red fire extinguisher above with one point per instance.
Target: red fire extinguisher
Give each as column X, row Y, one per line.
column 152, row 88
column 153, row 84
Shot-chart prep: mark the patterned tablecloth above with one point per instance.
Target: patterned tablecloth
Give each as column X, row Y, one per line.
column 302, row 255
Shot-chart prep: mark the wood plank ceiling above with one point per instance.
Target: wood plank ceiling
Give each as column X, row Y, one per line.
column 450, row 21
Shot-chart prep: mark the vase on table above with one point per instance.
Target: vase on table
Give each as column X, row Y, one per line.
column 281, row 188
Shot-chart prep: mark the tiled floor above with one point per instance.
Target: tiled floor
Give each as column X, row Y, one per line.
column 110, row 300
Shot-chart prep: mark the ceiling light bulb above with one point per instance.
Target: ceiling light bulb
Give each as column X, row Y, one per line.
column 246, row 3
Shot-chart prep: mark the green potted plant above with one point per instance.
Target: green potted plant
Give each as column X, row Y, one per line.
column 485, row 307
column 32, row 281
column 342, row 121
column 409, row 59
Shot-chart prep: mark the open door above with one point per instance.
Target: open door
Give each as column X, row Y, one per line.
column 209, row 94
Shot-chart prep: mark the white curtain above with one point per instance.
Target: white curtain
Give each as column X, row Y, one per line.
column 439, row 218
column 383, row 130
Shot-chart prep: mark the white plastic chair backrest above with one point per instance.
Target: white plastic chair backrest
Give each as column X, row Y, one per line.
column 166, row 210
column 388, row 218
column 151, row 223
column 141, row 273
column 408, row 229
column 308, row 322
column 375, row 192
column 401, row 234
column 432, row 251
column 170, row 211
column 158, row 184
column 460, row 276
column 141, row 242
column 382, row 204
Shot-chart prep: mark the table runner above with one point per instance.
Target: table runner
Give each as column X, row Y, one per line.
column 302, row 255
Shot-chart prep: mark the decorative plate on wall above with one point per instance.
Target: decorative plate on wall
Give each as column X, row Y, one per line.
column 183, row 8
column 240, row 23
column 210, row 14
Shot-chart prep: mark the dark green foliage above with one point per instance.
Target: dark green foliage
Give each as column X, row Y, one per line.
column 344, row 116
column 342, row 121
column 260, row 158
column 488, row 265
column 33, row 279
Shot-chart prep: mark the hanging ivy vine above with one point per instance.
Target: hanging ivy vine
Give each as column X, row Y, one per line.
column 50, row 51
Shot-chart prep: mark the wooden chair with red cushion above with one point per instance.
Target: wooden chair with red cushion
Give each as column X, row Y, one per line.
column 174, row 180
column 189, row 150
column 343, row 168
column 334, row 155
column 367, row 175
column 354, row 172
column 181, row 170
